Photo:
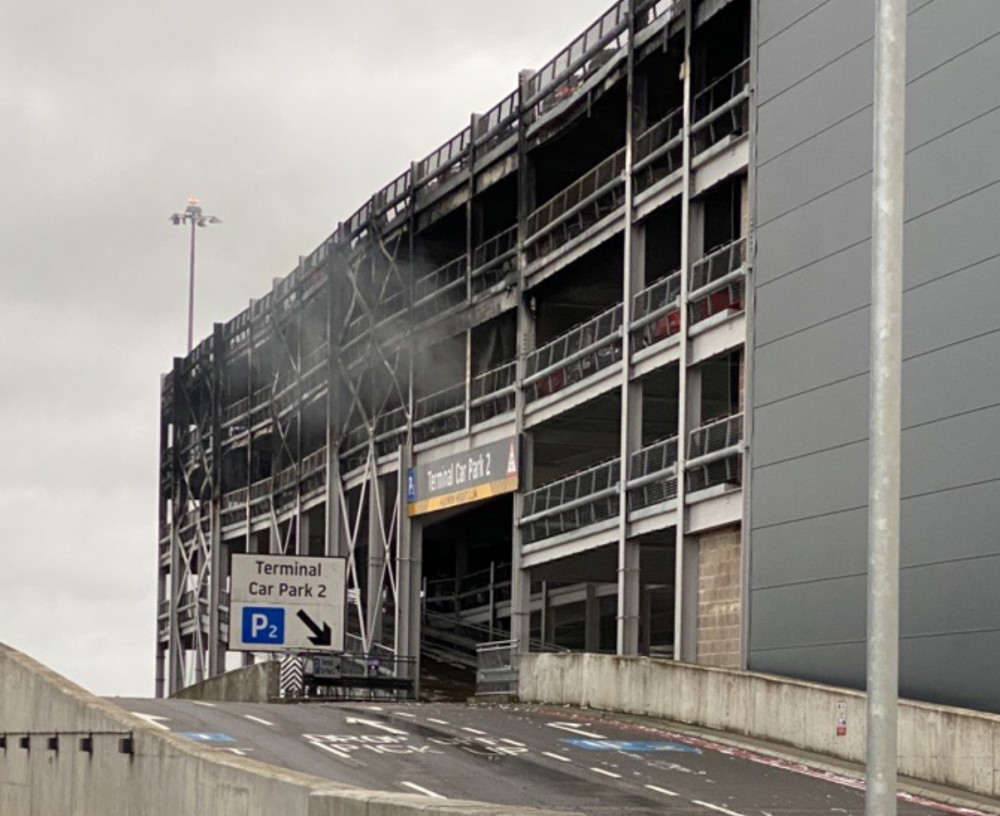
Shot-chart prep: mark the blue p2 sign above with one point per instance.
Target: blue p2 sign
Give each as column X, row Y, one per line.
column 263, row 624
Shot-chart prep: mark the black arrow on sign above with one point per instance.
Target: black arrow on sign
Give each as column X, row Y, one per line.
column 321, row 637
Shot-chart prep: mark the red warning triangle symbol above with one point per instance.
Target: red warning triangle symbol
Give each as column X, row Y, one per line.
column 511, row 460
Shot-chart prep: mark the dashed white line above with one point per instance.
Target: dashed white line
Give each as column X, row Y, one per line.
column 556, row 756
column 719, row 808
column 404, row 714
column 374, row 708
column 438, row 722
column 238, row 752
column 512, row 742
column 664, row 791
column 203, row 703
column 258, row 719
column 606, row 773
column 474, row 731
column 424, row 791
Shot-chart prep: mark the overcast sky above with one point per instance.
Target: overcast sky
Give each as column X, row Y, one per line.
column 282, row 118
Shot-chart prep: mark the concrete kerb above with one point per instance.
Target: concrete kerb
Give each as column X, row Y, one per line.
column 950, row 747
column 163, row 773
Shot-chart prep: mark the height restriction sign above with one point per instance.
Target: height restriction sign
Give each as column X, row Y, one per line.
column 283, row 602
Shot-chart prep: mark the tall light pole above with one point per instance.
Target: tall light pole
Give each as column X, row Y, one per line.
column 194, row 215
column 884, row 424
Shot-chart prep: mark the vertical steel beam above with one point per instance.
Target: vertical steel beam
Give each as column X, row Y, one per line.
column 629, row 579
column 884, row 423
column 216, row 649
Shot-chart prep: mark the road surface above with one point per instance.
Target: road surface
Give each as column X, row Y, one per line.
column 517, row 755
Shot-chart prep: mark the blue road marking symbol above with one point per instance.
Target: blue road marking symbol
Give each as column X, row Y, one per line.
column 199, row 736
column 264, row 624
column 632, row 746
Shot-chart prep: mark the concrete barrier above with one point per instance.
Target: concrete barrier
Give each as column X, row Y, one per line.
column 66, row 751
column 258, row 683
column 948, row 746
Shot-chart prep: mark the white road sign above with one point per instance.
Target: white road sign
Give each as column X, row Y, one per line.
column 286, row 602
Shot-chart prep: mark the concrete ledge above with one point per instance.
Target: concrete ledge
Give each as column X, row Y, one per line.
column 162, row 773
column 938, row 744
column 258, row 683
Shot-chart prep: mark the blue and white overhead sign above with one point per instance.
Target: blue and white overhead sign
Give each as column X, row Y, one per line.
column 470, row 476
column 286, row 602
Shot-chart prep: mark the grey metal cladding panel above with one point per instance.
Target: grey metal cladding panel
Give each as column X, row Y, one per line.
column 826, row 482
column 928, row 530
column 942, row 29
column 818, row 356
column 831, row 158
column 953, row 309
column 776, row 15
column 836, row 414
column 951, row 238
column 840, row 90
column 950, row 453
column 815, row 231
column 926, row 610
column 955, row 91
column 952, row 166
column 809, row 614
column 832, row 30
column 831, row 546
column 957, row 669
column 838, row 664
column 950, row 381
column 829, row 288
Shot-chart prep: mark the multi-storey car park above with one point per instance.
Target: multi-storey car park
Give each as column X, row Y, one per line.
column 652, row 252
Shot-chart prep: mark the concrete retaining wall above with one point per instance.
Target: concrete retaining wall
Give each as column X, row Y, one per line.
column 948, row 746
column 258, row 683
column 163, row 775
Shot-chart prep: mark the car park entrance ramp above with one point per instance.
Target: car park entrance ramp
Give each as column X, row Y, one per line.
column 64, row 750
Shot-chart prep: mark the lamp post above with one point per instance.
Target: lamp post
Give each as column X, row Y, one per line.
column 194, row 215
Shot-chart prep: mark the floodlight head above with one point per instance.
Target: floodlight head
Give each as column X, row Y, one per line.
column 177, row 218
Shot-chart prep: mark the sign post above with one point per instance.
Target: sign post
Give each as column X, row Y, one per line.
column 286, row 602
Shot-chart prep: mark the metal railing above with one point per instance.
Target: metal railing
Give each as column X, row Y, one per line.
column 576, row 208
column 715, row 454
column 441, row 289
column 439, row 413
column 496, row 667
column 585, row 498
column 657, row 311
column 450, row 156
column 575, row 355
column 721, row 109
column 653, row 474
column 717, row 281
column 494, row 259
column 494, row 392
column 659, row 151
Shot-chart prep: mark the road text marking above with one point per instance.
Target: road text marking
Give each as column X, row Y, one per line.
column 373, row 724
column 152, row 720
column 424, row 791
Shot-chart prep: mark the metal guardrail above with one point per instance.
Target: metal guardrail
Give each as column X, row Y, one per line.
column 718, row 281
column 657, row 311
column 494, row 259
column 721, row 109
column 576, row 501
column 582, row 351
column 439, row 413
column 494, row 392
column 653, row 474
column 659, row 150
column 715, row 454
column 579, row 206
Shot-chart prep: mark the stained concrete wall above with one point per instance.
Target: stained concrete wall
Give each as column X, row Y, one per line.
column 164, row 775
column 947, row 746
column 258, row 683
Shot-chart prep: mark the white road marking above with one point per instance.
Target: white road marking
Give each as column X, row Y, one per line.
column 374, row 708
column 203, row 703
column 258, row 719
column 373, row 724
column 152, row 720
column 238, row 752
column 486, row 740
column 424, row 791
column 404, row 714
column 606, row 773
column 512, row 742
column 664, row 791
column 341, row 754
column 575, row 728
column 719, row 808
column 438, row 722
column 556, row 756
column 474, row 731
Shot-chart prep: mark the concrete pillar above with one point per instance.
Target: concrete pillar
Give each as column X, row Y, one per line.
column 628, row 598
column 409, row 610
column 686, row 599
column 376, row 558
